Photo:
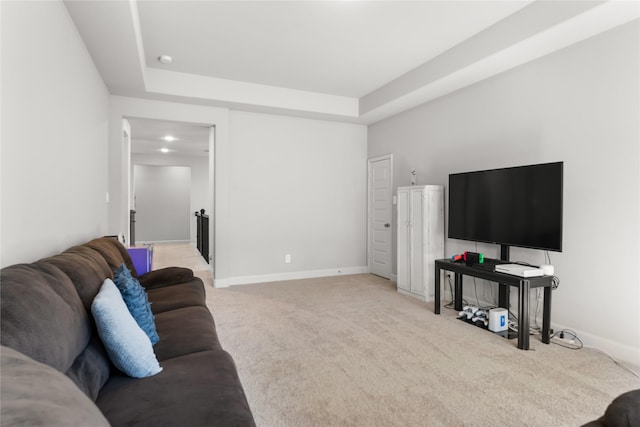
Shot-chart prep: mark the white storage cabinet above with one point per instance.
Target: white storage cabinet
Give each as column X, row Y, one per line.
column 420, row 238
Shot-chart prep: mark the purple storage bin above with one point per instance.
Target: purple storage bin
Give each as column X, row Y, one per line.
column 142, row 258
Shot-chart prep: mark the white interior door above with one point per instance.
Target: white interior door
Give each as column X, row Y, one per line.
column 380, row 211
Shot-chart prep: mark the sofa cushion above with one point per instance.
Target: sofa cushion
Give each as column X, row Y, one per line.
column 127, row 345
column 167, row 276
column 91, row 369
column 86, row 268
column 113, row 252
column 185, row 330
column 199, row 389
column 136, row 300
column 186, row 294
column 34, row 394
column 42, row 315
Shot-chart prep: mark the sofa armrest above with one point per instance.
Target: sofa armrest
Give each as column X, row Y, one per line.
column 624, row 411
column 165, row 277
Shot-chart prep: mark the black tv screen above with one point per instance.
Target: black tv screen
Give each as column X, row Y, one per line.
column 517, row 206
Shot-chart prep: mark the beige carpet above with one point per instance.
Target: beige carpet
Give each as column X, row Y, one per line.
column 351, row 351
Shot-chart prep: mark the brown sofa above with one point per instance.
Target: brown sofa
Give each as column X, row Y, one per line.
column 55, row 370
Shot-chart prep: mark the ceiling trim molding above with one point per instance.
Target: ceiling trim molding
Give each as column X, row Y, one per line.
column 582, row 26
column 250, row 94
column 534, row 31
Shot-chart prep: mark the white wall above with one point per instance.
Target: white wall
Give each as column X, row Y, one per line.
column 282, row 185
column 199, row 180
column 54, row 134
column 581, row 106
column 297, row 186
column 163, row 203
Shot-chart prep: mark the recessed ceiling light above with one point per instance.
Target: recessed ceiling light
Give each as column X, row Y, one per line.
column 164, row 150
column 165, row 59
column 169, row 138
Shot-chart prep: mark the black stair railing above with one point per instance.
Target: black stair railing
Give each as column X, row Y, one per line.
column 202, row 234
column 132, row 227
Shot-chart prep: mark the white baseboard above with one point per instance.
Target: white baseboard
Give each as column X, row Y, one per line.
column 151, row 242
column 416, row 296
column 294, row 275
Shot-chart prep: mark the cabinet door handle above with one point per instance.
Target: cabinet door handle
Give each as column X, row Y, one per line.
column 387, row 225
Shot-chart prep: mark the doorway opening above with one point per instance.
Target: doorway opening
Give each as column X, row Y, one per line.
column 170, row 178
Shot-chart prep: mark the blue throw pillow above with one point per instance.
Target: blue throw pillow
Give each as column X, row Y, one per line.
column 127, row 345
column 137, row 301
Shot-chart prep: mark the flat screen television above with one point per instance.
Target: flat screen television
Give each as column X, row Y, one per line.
column 517, row 206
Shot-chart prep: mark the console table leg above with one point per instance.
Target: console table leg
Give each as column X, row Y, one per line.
column 457, row 299
column 503, row 296
column 546, row 315
column 523, row 315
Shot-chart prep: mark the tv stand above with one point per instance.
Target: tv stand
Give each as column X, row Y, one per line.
column 523, row 284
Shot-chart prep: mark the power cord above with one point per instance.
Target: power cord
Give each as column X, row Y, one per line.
column 475, row 290
column 574, row 344
column 451, row 305
column 513, row 325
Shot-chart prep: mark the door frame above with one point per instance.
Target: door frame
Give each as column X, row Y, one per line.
column 389, row 157
column 126, row 162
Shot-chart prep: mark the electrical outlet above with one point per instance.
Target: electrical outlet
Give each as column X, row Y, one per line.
column 287, row 259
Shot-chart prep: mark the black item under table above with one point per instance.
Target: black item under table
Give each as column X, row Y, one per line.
column 524, row 285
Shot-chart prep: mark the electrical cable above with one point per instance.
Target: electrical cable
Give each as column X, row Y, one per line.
column 491, row 299
column 535, row 314
column 451, row 305
column 561, row 333
column 533, row 330
column 475, row 289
